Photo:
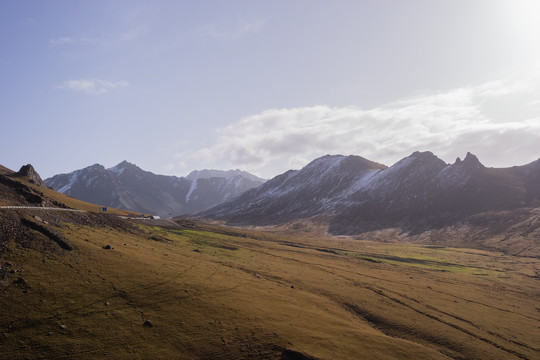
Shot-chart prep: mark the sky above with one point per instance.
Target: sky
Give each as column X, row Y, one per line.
column 266, row 85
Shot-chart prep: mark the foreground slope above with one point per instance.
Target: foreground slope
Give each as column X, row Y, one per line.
column 126, row 186
column 186, row 290
column 215, row 293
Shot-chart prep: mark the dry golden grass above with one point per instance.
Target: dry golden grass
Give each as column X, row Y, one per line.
column 5, row 171
column 226, row 293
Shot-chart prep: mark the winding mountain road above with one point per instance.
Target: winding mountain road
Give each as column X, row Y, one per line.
column 39, row 208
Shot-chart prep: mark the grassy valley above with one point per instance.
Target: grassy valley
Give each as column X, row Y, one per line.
column 216, row 292
column 163, row 289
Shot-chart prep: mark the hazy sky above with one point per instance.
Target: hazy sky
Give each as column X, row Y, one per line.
column 265, row 86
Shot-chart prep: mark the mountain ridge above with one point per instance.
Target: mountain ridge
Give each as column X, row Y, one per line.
column 127, row 186
column 419, row 193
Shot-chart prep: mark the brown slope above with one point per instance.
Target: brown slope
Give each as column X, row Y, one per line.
column 251, row 295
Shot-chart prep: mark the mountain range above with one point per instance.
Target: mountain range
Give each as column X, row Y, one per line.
column 420, row 193
column 126, row 186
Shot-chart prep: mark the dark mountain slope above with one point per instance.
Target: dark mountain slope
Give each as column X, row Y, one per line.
column 421, row 192
column 298, row 194
column 418, row 193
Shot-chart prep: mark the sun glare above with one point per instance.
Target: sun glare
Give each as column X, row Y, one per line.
column 523, row 18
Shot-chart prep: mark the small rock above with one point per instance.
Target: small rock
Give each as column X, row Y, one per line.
column 21, row 281
column 148, row 323
column 63, row 327
column 257, row 276
column 197, row 251
column 107, row 303
column 292, row 286
column 108, row 247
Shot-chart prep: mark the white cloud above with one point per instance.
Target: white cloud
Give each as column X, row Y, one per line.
column 446, row 123
column 92, row 86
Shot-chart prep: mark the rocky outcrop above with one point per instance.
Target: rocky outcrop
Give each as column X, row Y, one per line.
column 32, row 175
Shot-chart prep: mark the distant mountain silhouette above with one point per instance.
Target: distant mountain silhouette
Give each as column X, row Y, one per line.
column 126, row 186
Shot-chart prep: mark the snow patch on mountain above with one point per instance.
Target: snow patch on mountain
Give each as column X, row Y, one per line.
column 364, row 182
column 72, row 180
column 455, row 175
column 192, row 188
column 117, row 170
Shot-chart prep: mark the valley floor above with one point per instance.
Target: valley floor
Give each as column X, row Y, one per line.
column 214, row 292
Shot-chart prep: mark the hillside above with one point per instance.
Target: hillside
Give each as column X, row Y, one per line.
column 296, row 194
column 186, row 290
column 126, row 186
column 420, row 196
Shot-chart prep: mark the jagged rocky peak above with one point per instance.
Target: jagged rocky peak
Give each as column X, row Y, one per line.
column 419, row 160
column 29, row 172
column 424, row 155
column 121, row 167
column 472, row 161
column 124, row 164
